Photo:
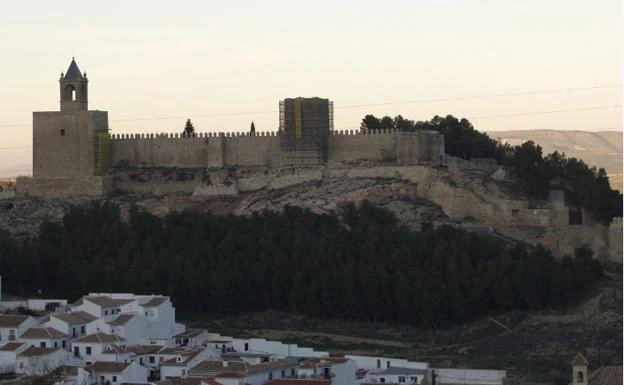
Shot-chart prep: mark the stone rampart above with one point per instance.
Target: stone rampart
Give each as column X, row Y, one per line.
column 353, row 146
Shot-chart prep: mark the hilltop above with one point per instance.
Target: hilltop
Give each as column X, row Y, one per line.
column 599, row 148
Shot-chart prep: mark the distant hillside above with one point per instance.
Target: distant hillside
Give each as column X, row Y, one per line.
column 600, row 148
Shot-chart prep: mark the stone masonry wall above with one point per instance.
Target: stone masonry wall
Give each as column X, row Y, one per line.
column 350, row 147
column 64, row 187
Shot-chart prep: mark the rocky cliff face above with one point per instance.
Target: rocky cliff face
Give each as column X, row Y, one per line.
column 415, row 194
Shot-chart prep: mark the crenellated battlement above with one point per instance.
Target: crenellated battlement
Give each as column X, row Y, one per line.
column 171, row 135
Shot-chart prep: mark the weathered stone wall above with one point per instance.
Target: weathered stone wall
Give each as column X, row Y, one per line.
column 351, row 147
column 262, row 151
column 64, row 187
column 63, row 142
column 165, row 151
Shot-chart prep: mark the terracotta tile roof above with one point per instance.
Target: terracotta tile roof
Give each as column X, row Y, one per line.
column 606, row 375
column 173, row 350
column 115, row 349
column 122, row 319
column 100, row 337
column 187, row 355
column 11, row 346
column 211, row 368
column 278, row 364
column 188, row 381
column 144, row 349
column 47, row 333
column 155, row 301
column 12, row 320
column 75, row 318
column 33, row 351
column 104, row 301
column 297, row 381
column 106, row 367
column 65, row 371
column 231, row 375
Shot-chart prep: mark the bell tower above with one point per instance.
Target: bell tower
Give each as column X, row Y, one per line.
column 74, row 88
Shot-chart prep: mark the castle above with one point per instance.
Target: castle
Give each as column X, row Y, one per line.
column 75, row 154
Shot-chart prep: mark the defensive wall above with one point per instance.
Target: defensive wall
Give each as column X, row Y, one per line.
column 216, row 150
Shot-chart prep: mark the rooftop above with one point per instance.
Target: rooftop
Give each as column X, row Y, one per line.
column 100, row 337
column 297, row 381
column 606, row 375
column 33, row 351
column 122, row 319
column 47, row 333
column 155, row 302
column 397, row 370
column 12, row 320
column 106, row 367
column 11, row 346
column 75, row 318
column 73, row 72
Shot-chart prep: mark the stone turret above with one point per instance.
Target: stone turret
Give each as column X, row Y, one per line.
column 74, row 87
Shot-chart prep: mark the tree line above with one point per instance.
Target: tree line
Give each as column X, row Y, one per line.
column 360, row 265
column 586, row 185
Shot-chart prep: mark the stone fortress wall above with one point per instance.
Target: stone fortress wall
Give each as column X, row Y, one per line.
column 216, row 150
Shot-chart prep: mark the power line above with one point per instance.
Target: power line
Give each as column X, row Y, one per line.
column 486, row 96
column 546, row 112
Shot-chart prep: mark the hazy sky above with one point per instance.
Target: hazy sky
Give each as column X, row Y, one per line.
column 158, row 59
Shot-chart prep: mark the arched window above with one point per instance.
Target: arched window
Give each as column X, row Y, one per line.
column 70, row 92
column 579, row 376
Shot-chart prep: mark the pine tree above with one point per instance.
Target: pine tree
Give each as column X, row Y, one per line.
column 189, row 130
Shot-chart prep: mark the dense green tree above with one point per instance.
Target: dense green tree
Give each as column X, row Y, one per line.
column 362, row 266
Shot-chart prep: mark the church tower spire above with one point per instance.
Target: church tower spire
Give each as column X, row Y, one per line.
column 74, row 87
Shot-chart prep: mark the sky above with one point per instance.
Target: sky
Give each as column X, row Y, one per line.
column 553, row 64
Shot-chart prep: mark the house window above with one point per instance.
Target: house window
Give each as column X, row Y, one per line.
column 387, row 364
column 55, row 344
column 292, row 372
column 402, row 379
column 62, row 132
column 283, row 373
column 76, row 351
column 12, row 335
column 82, row 330
column 42, row 344
column 183, row 373
column 246, row 346
column 105, row 312
column 114, row 378
column 63, row 344
column 101, row 379
column 141, row 360
column 73, row 332
column 378, row 364
column 270, row 375
column 579, row 376
column 382, row 380
column 88, row 350
column 152, row 359
column 414, row 380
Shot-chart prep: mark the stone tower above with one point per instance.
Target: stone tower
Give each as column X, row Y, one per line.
column 74, row 87
column 579, row 370
column 71, row 147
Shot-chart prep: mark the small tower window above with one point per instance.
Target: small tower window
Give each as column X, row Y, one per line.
column 579, row 376
column 62, row 132
column 70, row 93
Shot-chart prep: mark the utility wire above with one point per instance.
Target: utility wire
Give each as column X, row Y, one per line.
column 487, row 96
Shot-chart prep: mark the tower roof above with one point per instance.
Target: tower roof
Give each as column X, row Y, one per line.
column 73, row 72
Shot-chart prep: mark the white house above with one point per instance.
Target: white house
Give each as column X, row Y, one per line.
column 40, row 361
column 99, row 305
column 298, row 381
column 340, row 370
column 213, row 368
column 275, row 347
column 468, row 376
column 146, row 355
column 112, row 373
column 8, row 355
column 192, row 338
column 395, row 375
column 252, row 358
column 177, row 362
column 130, row 327
column 92, row 348
column 13, row 326
column 45, row 337
column 379, row 363
column 73, row 324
